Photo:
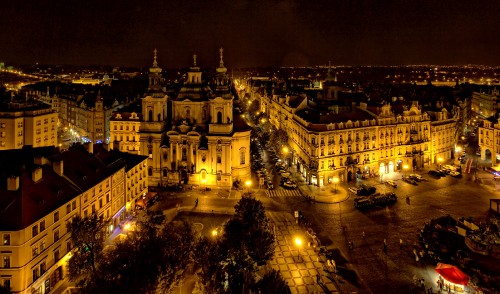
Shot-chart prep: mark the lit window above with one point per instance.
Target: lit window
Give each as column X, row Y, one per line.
column 6, row 239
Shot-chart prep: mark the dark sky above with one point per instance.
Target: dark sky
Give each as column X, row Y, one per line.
column 252, row 32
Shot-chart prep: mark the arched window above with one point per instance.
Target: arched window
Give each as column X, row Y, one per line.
column 242, row 156
column 219, row 117
column 150, row 171
column 159, row 116
column 150, row 115
column 165, row 172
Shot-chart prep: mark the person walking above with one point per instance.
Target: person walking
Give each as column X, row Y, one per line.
column 363, row 235
column 400, row 244
column 385, row 246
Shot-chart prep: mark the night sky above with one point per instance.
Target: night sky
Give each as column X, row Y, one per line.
column 252, row 33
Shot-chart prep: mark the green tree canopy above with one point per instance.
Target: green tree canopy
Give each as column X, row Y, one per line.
column 87, row 237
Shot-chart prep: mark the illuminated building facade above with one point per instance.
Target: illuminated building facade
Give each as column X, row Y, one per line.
column 332, row 139
column 486, row 104
column 41, row 190
column 123, row 127
column 87, row 115
column 489, row 141
column 24, row 124
column 193, row 135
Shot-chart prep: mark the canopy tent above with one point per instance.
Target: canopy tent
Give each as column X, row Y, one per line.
column 452, row 273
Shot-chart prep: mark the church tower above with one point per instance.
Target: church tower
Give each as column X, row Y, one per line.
column 154, row 114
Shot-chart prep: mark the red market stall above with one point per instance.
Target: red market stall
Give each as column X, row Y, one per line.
column 453, row 275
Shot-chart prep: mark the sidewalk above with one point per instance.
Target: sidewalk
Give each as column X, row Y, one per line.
column 299, row 262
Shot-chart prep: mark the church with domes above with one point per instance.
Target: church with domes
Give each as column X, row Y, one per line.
column 193, row 135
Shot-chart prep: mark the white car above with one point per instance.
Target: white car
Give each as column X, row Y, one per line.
column 289, row 185
column 391, row 183
column 417, row 177
column 353, row 190
column 455, row 174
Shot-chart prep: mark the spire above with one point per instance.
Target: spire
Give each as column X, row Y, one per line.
column 329, row 74
column 155, row 64
column 221, row 51
column 194, row 60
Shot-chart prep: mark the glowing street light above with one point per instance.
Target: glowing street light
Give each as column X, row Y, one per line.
column 298, row 242
column 405, row 168
column 440, row 160
column 335, row 181
column 248, row 183
column 214, row 233
column 204, row 181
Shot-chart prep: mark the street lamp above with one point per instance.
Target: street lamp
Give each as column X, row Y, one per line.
column 335, row 181
column 440, row 160
column 298, row 242
column 248, row 183
column 214, row 233
column 204, row 181
column 405, row 168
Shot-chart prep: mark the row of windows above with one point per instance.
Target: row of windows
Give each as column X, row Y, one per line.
column 121, row 128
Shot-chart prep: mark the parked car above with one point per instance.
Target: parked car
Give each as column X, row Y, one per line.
column 289, row 185
column 391, row 183
column 455, row 174
column 409, row 180
column 435, row 173
column 416, row 177
column 353, row 190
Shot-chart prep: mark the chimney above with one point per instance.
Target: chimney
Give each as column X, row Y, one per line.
column 90, row 147
column 58, row 167
column 40, row 160
column 13, row 183
column 36, row 174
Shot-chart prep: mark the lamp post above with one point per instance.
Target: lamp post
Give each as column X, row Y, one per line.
column 204, row 181
column 335, row 182
column 440, row 160
column 285, row 153
column 298, row 242
column 248, row 183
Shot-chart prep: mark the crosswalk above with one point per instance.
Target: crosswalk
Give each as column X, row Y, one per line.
column 283, row 193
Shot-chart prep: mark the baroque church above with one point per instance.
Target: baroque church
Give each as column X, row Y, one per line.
column 193, row 135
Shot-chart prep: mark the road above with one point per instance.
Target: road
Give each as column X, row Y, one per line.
column 372, row 269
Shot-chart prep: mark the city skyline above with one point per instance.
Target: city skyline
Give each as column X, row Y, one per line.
column 252, row 33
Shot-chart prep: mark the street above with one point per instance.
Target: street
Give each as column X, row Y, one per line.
column 373, row 270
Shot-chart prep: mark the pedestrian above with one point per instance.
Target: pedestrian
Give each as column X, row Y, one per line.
column 400, row 244
column 363, row 235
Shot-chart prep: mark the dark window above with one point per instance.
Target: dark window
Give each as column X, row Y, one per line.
column 34, row 231
column 150, row 115
column 56, row 216
column 219, row 117
column 150, row 171
column 42, row 226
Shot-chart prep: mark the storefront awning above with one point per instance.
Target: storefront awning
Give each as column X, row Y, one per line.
column 452, row 274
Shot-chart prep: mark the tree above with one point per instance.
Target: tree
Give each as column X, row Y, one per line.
column 87, row 237
column 151, row 260
column 278, row 138
column 272, row 283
